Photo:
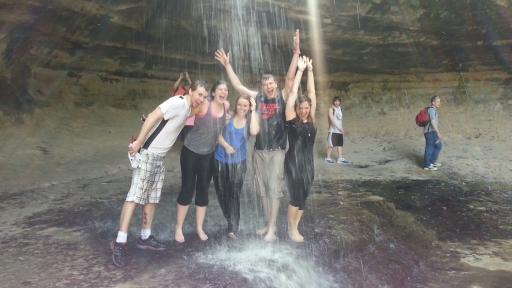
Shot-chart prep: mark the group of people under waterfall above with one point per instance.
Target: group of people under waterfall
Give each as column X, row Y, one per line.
column 215, row 147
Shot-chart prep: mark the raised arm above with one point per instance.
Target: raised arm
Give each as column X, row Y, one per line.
column 177, row 83
column 188, row 79
column 154, row 117
column 293, row 65
column 254, row 128
column 292, row 97
column 223, row 59
column 311, row 88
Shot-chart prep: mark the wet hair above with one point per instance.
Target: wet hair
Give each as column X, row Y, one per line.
column 245, row 97
column 337, row 98
column 215, row 85
column 301, row 100
column 434, row 98
column 198, row 83
column 266, row 77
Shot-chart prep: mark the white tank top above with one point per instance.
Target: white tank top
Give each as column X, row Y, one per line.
column 338, row 120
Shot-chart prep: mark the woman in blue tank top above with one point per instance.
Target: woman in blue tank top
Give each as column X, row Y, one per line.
column 230, row 160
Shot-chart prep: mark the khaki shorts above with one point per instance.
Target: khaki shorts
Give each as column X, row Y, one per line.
column 147, row 180
column 269, row 173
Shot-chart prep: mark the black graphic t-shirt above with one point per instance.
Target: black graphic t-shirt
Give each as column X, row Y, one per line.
column 272, row 134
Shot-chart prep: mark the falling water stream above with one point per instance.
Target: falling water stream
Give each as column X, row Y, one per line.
column 251, row 33
column 359, row 233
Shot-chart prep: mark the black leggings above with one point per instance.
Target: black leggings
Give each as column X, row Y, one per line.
column 195, row 173
column 229, row 179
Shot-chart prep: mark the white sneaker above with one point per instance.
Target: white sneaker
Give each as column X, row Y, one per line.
column 342, row 161
column 437, row 164
column 329, row 160
column 430, row 168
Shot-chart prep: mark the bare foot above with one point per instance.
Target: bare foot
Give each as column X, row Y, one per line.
column 295, row 236
column 178, row 236
column 270, row 237
column 202, row 235
column 232, row 236
column 262, row 231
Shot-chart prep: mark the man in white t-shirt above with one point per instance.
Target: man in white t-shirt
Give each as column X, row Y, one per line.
column 335, row 132
column 156, row 137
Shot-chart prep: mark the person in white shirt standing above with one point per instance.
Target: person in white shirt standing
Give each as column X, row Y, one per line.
column 335, row 132
column 155, row 139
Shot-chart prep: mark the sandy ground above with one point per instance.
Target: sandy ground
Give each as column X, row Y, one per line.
column 52, row 164
column 383, row 144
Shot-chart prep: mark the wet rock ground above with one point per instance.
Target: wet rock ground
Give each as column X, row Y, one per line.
column 360, row 233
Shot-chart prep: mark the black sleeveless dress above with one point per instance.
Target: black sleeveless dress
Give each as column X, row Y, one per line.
column 299, row 160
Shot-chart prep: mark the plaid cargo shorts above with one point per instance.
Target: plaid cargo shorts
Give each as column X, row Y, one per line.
column 148, row 179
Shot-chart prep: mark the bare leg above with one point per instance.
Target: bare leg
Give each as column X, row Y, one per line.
column 200, row 215
column 181, row 213
column 148, row 214
column 329, row 150
column 340, row 152
column 293, row 222
column 272, row 223
column 297, row 221
column 266, row 205
column 126, row 216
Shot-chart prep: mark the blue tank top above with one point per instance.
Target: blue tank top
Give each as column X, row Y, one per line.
column 237, row 138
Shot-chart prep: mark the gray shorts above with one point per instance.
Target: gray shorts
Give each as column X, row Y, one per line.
column 269, row 173
column 147, row 180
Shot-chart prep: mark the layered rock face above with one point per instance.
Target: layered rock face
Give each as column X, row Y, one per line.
column 87, row 69
column 125, row 40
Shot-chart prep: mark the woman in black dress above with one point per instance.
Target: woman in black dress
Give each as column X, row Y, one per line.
column 298, row 163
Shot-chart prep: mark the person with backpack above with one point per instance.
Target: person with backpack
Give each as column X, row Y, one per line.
column 156, row 137
column 180, row 88
column 335, row 133
column 432, row 135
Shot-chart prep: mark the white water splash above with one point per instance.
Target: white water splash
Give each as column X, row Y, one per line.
column 271, row 265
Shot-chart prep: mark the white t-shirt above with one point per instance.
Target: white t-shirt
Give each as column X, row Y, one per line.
column 176, row 110
column 338, row 119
